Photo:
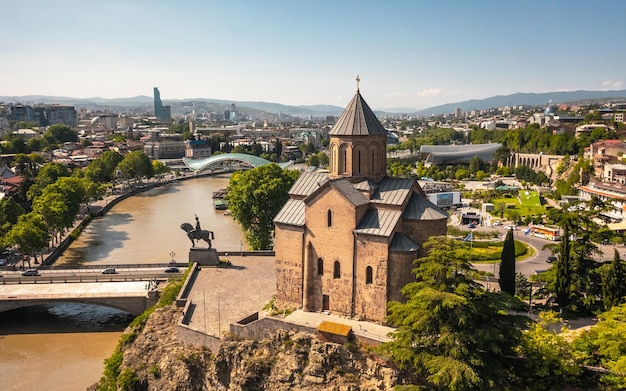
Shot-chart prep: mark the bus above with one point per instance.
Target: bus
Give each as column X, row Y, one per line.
column 544, row 232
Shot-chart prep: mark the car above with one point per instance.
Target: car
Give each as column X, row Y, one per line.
column 31, row 272
column 551, row 259
column 172, row 270
column 497, row 223
column 471, row 225
column 109, row 270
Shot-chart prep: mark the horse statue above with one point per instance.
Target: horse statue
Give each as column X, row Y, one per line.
column 196, row 235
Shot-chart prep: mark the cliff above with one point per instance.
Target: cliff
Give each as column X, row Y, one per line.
column 156, row 360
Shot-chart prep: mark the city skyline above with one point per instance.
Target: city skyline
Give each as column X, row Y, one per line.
column 408, row 54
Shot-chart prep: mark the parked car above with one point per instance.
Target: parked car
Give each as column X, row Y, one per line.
column 109, row 270
column 497, row 223
column 551, row 259
column 31, row 272
column 172, row 270
column 471, row 225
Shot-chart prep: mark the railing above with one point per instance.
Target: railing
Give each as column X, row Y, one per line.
column 72, row 295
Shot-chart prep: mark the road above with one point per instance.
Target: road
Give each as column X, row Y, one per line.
column 87, row 275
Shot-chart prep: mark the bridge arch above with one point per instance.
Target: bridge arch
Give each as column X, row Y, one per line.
column 132, row 305
column 214, row 162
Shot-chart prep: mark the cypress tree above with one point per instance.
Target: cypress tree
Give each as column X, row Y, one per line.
column 614, row 283
column 563, row 270
column 507, row 265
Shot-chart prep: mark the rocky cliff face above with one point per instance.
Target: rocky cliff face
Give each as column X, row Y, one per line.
column 155, row 360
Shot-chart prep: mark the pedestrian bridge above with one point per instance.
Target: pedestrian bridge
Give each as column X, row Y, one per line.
column 218, row 161
column 133, row 297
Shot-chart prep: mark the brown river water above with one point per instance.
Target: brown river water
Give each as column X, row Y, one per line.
column 63, row 346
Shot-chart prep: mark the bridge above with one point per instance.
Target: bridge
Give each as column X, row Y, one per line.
column 130, row 296
column 132, row 290
column 218, row 161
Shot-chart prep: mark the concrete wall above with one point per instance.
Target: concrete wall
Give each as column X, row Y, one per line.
column 194, row 337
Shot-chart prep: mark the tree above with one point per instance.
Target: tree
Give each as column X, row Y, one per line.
column 159, row 168
column 604, row 345
column 61, row 133
column 451, row 331
column 30, row 234
column 135, row 165
column 255, row 197
column 102, row 169
column 507, row 265
column 313, row 161
column 548, row 357
column 10, row 211
column 614, row 283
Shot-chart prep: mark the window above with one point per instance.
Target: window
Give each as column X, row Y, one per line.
column 329, row 216
column 337, row 270
column 320, row 266
column 359, row 162
column 372, row 162
column 368, row 275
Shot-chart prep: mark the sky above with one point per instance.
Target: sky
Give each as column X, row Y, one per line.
column 408, row 53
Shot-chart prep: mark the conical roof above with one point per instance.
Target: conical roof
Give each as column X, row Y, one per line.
column 357, row 120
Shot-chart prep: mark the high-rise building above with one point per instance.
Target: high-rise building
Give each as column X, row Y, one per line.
column 162, row 113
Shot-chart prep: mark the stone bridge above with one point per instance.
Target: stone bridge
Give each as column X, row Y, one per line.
column 536, row 161
column 131, row 297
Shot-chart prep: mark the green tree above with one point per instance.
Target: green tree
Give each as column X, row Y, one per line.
column 61, row 133
column 548, row 357
column 10, row 211
column 29, row 234
column 135, row 165
column 507, row 265
column 614, row 283
column 255, row 197
column 323, row 159
column 159, row 168
column 313, row 161
column 604, row 345
column 450, row 331
column 102, row 169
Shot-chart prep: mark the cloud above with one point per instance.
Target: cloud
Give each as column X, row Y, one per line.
column 612, row 85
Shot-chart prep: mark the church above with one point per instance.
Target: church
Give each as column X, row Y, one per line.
column 345, row 241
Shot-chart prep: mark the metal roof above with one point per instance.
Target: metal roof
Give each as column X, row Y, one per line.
column 402, row 243
column 380, row 222
column 292, row 213
column 357, row 120
column 307, row 183
column 393, row 191
column 419, row 208
column 366, row 185
column 347, row 190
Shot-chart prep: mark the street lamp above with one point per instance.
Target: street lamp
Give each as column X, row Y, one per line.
column 172, row 256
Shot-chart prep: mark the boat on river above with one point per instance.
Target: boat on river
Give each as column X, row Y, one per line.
column 220, row 204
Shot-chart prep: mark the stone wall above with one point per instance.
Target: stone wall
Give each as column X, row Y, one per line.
column 289, row 253
column 421, row 230
column 188, row 335
column 371, row 298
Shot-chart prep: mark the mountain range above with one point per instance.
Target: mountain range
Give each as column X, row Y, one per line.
column 532, row 99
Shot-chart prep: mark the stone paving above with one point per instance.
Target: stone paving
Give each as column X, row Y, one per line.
column 225, row 295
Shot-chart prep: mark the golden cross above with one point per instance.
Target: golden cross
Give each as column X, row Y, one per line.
column 358, row 79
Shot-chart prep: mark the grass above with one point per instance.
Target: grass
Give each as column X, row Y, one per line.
column 527, row 204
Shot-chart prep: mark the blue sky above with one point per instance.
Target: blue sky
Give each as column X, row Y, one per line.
column 411, row 53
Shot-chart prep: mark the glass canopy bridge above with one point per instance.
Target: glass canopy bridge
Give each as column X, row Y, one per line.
column 228, row 161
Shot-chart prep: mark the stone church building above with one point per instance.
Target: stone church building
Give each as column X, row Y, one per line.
column 345, row 241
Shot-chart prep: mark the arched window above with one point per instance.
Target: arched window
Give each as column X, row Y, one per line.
column 372, row 161
column 368, row 275
column 320, row 266
column 345, row 161
column 336, row 270
column 329, row 217
column 359, row 162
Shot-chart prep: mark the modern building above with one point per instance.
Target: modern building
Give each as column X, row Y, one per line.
column 451, row 154
column 345, row 240
column 162, row 113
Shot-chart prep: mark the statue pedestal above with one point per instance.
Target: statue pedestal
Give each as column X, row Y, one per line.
column 204, row 256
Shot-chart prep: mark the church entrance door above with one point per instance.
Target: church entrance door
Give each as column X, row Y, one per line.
column 325, row 303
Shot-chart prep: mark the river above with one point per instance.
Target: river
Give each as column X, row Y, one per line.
column 63, row 346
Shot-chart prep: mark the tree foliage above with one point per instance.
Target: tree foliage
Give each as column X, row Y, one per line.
column 61, row 133
column 135, row 165
column 614, row 283
column 507, row 265
column 255, row 197
column 443, row 304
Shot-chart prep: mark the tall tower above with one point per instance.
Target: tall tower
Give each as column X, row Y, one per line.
column 158, row 105
column 358, row 143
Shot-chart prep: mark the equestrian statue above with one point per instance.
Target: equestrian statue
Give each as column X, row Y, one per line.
column 196, row 234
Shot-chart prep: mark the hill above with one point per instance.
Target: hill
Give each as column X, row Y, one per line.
column 269, row 108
